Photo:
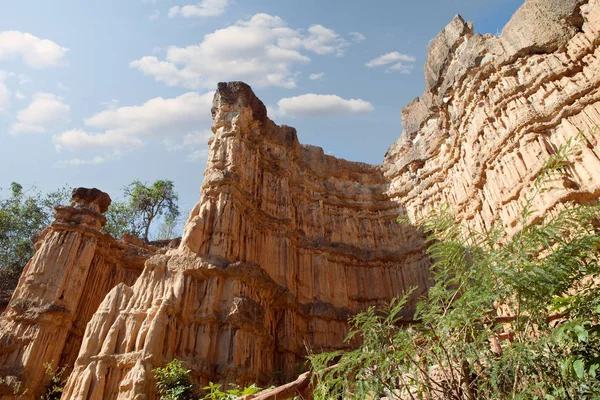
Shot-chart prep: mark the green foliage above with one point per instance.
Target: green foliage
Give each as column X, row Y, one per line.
column 152, row 201
column 121, row 219
column 143, row 204
column 22, row 214
column 458, row 346
column 58, row 378
column 173, row 382
column 213, row 391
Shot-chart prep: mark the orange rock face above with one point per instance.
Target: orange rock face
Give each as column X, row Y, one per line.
column 73, row 269
column 286, row 242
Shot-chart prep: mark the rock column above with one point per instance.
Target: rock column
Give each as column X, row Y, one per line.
column 39, row 317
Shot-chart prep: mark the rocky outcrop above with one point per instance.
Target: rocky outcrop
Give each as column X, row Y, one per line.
column 73, row 269
column 285, row 244
column 495, row 109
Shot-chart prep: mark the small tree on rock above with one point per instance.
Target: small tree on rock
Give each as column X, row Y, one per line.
column 151, row 201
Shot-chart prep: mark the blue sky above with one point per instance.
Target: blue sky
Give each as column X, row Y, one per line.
column 100, row 93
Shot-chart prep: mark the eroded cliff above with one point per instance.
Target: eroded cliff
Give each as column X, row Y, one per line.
column 496, row 108
column 73, row 269
column 286, row 242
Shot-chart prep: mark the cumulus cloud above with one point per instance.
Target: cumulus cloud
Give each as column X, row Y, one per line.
column 77, row 162
column 323, row 41
column 261, row 51
column 357, row 36
column 19, row 95
column 206, row 8
column 120, row 129
column 36, row 52
column 321, row 105
column 402, row 63
column 316, row 76
column 46, row 111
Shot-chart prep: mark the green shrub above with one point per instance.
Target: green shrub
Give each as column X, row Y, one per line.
column 173, row 382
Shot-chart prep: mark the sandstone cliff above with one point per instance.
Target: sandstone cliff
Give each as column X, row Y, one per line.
column 287, row 242
column 495, row 108
column 73, row 269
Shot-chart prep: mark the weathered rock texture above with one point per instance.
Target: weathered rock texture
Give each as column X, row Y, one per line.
column 285, row 244
column 73, row 269
column 495, row 108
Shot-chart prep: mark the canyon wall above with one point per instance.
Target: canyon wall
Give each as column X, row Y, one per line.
column 495, row 108
column 73, row 269
column 284, row 246
column 286, row 242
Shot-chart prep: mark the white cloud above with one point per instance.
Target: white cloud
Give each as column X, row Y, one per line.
column 323, row 41
column 321, row 105
column 45, row 111
column 36, row 52
column 401, row 63
column 77, row 162
column 80, row 140
column 19, row 95
column 154, row 16
column 121, row 129
column 357, row 36
column 206, row 8
column 261, row 51
column 316, row 76
column 390, row 58
column 401, row 68
column 5, row 93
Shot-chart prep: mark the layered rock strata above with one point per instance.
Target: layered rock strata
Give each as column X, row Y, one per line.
column 285, row 244
column 73, row 269
column 495, row 108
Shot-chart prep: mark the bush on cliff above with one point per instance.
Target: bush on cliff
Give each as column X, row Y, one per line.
column 509, row 317
column 174, row 382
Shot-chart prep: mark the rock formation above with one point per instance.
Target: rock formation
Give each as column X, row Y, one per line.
column 73, row 269
column 495, row 108
column 286, row 242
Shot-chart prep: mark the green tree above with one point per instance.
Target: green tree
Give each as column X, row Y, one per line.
column 151, row 201
column 141, row 206
column 121, row 218
column 22, row 214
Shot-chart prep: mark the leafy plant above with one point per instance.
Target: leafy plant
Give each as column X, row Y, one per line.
column 213, row 391
column 148, row 202
column 173, row 382
column 512, row 315
column 58, row 378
